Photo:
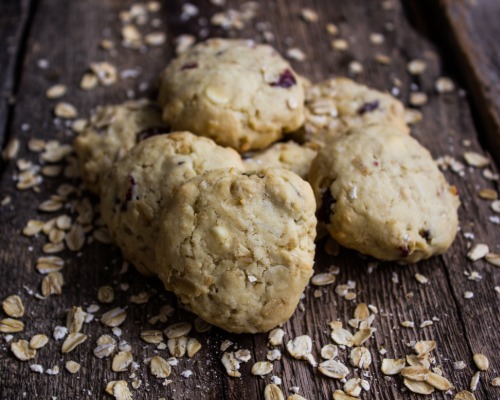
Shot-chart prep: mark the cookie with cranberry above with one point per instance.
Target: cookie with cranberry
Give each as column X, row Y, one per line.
column 336, row 105
column 237, row 92
column 381, row 193
column 110, row 132
column 143, row 182
column 242, row 250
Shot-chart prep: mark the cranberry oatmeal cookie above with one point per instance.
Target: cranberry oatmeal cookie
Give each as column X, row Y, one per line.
column 238, row 247
column 239, row 93
column 110, row 133
column 381, row 193
column 142, row 183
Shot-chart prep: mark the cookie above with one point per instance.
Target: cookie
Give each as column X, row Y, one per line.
column 239, row 93
column 242, row 249
column 382, row 194
column 288, row 155
column 110, row 133
column 141, row 184
column 335, row 106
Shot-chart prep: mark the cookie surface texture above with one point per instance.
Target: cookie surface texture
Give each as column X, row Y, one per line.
column 110, row 133
column 241, row 94
column 142, row 183
column 382, row 194
column 337, row 105
column 288, row 155
column 242, row 249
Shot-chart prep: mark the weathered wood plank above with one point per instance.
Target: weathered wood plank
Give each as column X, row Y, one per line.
column 14, row 17
column 447, row 123
column 469, row 28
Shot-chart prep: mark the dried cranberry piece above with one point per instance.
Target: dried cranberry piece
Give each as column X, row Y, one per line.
column 325, row 210
column 150, row 132
column 368, row 107
column 128, row 192
column 426, row 234
column 285, row 80
column 189, row 65
column 405, row 250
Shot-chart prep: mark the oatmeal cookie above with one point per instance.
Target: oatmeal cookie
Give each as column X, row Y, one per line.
column 335, row 106
column 110, row 133
column 238, row 247
column 382, row 194
column 239, row 93
column 288, row 155
column 141, row 184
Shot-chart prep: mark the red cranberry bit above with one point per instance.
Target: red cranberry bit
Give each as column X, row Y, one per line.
column 190, row 65
column 150, row 132
column 325, row 211
column 128, row 193
column 405, row 250
column 368, row 107
column 426, row 234
column 286, row 80
column 376, row 163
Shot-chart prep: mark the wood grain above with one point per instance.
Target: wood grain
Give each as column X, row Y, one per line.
column 469, row 28
column 67, row 35
column 14, row 21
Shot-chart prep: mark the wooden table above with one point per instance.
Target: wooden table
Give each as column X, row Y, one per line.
column 46, row 42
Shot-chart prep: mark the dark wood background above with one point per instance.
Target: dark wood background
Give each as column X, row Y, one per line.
column 455, row 38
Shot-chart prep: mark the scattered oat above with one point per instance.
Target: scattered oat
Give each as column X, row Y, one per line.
column 114, row 317
column 106, row 345
column 329, row 351
column 193, row 347
column 340, row 44
column 231, row 364
column 355, row 68
column 262, row 368
column 177, row 346
column 89, row 81
column 75, row 319
column 493, row 259
column 323, row 279
column 444, row 85
column 65, row 110
column 382, row 59
column 408, row 324
column 332, row 29
column 478, row 251
column 155, row 38
column 10, row 325
column 392, row 366
column 476, row 159
column 333, row 369
column 464, row 395
column 56, row 91
column 160, row 368
column 340, row 395
column 418, row 99
column 243, row 355
column 152, row 336
column 72, row 341
column 52, row 283
column 105, row 72
column 11, row 149
column 475, row 381
column 360, row 357
column 426, row 323
column 468, row 294
column 13, row 306
column 119, row 389
column 22, row 350
column 38, row 341
column 376, row 39
column 273, row 392
column 296, row 54
column 353, row 387
column 481, row 361
column 421, row 278
column 60, row 332
column 106, row 294
column 300, row 347
column 309, row 15
column 36, row 368
column 418, row 387
column 122, row 361
column 416, row 67
column 495, row 381
column 459, row 365
column 177, row 330
column 72, row 367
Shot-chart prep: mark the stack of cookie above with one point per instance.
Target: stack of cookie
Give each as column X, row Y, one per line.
column 234, row 238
